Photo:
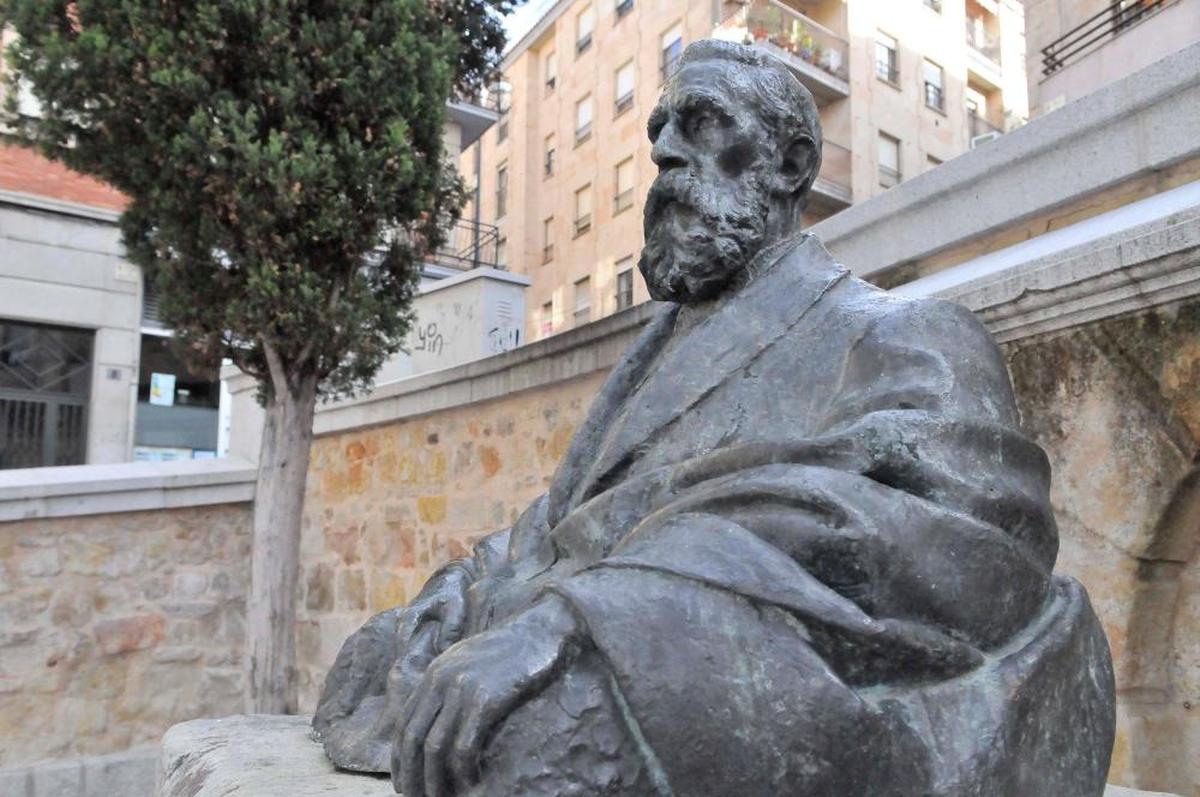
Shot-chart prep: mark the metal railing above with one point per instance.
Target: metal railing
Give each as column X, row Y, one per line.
column 776, row 27
column 623, row 103
column 834, row 177
column 934, row 96
column 623, row 200
column 583, row 224
column 1096, row 29
column 469, row 244
column 888, row 177
column 979, row 126
column 985, row 43
column 582, row 134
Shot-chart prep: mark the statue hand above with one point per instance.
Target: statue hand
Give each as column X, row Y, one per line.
column 469, row 690
column 442, row 601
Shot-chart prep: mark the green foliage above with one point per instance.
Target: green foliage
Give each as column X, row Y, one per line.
column 284, row 159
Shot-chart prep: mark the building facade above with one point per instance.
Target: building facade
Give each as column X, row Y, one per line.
column 1078, row 46
column 902, row 86
column 87, row 375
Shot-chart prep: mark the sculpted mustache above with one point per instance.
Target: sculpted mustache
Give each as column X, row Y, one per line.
column 667, row 192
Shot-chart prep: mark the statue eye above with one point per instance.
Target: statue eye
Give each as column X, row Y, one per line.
column 701, row 122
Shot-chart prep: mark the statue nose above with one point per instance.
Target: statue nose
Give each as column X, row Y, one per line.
column 667, row 152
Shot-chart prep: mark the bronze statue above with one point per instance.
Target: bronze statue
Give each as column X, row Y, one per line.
column 799, row 546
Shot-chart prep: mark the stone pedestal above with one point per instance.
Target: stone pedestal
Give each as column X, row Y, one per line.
column 269, row 756
column 255, row 756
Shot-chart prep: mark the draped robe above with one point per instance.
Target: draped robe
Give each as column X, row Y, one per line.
column 812, row 552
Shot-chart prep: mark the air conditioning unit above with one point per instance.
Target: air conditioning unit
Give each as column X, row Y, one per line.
column 983, row 138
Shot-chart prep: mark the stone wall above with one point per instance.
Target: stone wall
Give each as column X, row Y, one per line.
column 113, row 627
column 1116, row 405
column 388, row 504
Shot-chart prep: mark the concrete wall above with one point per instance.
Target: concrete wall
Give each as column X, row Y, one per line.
column 62, row 264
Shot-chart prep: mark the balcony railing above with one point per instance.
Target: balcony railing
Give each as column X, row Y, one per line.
column 985, row 43
column 832, row 189
column 774, row 26
column 979, row 126
column 623, row 103
column 622, row 201
column 583, row 224
column 469, row 244
column 888, row 177
column 1095, row 30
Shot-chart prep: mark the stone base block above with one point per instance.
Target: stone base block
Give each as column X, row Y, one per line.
column 255, row 756
column 269, row 756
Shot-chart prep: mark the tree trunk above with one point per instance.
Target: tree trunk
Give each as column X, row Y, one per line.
column 270, row 660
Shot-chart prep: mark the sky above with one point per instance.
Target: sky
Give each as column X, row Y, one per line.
column 524, row 18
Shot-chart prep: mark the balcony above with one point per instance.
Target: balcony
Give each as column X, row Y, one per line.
column 831, row 190
column 475, row 114
column 983, row 51
column 1096, row 31
column 469, row 244
column 818, row 56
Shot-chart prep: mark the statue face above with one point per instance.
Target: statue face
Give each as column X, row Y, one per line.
column 706, row 213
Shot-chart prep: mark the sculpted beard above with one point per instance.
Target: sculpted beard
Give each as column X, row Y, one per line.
column 698, row 240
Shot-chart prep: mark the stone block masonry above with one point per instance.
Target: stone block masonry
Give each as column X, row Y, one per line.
column 387, row 505
column 115, row 626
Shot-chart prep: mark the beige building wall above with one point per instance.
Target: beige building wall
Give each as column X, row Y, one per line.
column 1102, row 51
column 574, row 271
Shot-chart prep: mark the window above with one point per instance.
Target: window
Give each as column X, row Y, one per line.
column 550, row 70
column 502, row 128
column 583, row 119
column 583, row 301
column 623, row 198
column 548, row 159
column 45, row 378
column 934, row 98
column 584, row 25
column 936, row 5
column 889, row 160
column 624, row 88
column 583, row 210
column 546, row 327
column 886, row 64
column 624, row 283
column 502, row 253
column 672, row 49
column 548, row 239
column 501, row 190
column 623, row 7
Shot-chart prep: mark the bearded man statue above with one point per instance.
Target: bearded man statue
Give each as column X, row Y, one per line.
column 798, row 547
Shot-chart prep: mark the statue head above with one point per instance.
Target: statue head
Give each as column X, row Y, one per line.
column 737, row 142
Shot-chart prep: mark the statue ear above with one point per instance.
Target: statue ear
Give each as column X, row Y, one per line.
column 799, row 160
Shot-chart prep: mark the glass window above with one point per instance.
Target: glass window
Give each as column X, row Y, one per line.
column 585, row 23
column 889, row 160
column 583, row 301
column 547, row 319
column 547, row 239
column 583, row 119
column 623, row 7
column 934, row 97
column 624, row 87
column 583, row 210
column 548, row 160
column 886, row 62
column 501, row 190
column 672, row 49
column 550, row 70
column 502, row 253
column 624, row 283
column 624, row 182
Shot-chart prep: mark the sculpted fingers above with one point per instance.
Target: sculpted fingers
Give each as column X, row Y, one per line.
column 454, row 619
column 408, row 758
column 468, row 746
column 437, row 745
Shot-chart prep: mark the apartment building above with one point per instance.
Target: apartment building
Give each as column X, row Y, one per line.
column 1077, row 47
column 902, row 85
